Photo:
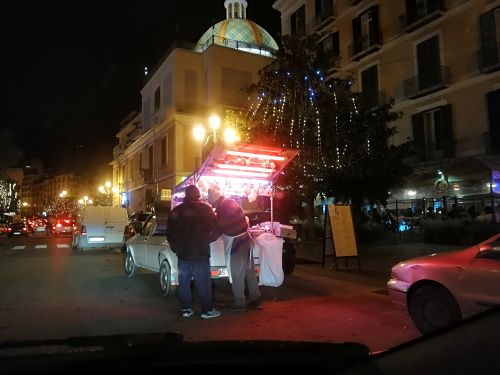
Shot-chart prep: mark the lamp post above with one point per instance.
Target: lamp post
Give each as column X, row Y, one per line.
column 108, row 191
column 216, row 133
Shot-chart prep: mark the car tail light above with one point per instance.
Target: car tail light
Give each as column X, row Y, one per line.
column 83, row 231
column 59, row 225
column 25, row 229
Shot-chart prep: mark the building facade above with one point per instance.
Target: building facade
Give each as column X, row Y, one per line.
column 439, row 60
column 156, row 148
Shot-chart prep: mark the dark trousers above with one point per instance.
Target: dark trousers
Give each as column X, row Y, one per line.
column 199, row 271
column 243, row 271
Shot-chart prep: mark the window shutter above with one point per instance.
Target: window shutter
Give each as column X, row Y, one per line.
column 488, row 38
column 375, row 37
column 447, row 129
column 356, row 35
column 411, row 11
column 418, row 135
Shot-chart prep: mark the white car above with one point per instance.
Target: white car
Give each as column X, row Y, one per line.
column 150, row 250
column 441, row 289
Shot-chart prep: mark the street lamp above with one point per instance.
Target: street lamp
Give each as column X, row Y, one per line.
column 85, row 201
column 229, row 134
column 108, row 190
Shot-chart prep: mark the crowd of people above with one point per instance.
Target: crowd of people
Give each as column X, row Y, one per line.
column 193, row 225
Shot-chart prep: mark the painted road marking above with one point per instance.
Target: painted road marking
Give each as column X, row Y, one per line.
column 62, row 245
column 40, row 246
column 18, row 247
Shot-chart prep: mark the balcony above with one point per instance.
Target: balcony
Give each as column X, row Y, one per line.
column 488, row 59
column 323, row 20
column 422, row 15
column 117, row 150
column 422, row 85
column 365, row 45
column 374, row 100
column 332, row 64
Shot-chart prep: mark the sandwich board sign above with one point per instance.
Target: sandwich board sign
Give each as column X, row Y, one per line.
column 340, row 238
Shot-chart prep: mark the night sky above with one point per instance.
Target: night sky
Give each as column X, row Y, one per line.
column 73, row 70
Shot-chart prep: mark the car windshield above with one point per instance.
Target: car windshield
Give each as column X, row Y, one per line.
column 331, row 169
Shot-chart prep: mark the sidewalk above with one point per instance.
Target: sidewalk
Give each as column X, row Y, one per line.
column 376, row 260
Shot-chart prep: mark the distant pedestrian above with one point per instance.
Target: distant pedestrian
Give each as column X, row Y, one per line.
column 232, row 225
column 472, row 212
column 189, row 232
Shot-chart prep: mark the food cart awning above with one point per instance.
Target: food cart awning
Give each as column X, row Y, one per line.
column 250, row 161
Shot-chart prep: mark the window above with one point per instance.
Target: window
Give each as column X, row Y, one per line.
column 330, row 48
column 366, row 33
column 433, row 134
column 163, row 151
column 324, row 9
column 150, row 158
column 157, row 99
column 489, row 55
column 298, row 22
column 429, row 64
column 369, row 85
column 422, row 11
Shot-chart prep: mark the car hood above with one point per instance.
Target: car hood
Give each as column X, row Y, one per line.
column 450, row 257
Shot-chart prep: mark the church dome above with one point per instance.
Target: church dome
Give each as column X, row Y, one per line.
column 239, row 33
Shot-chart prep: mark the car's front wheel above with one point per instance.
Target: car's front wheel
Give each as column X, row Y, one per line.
column 433, row 307
column 130, row 265
column 166, row 286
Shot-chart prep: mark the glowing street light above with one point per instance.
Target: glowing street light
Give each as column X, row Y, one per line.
column 200, row 132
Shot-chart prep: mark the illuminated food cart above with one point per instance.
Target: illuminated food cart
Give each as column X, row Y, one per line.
column 247, row 173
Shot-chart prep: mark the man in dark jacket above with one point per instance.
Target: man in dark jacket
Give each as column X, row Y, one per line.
column 189, row 232
column 232, row 224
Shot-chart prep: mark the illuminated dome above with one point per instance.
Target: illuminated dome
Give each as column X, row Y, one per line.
column 239, row 33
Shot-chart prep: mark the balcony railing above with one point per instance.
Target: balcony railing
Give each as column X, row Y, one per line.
column 235, row 44
column 365, row 45
column 427, row 12
column 323, row 20
column 374, row 100
column 333, row 63
column 488, row 60
column 422, row 85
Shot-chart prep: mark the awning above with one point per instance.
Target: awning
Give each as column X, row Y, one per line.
column 472, row 168
column 243, row 161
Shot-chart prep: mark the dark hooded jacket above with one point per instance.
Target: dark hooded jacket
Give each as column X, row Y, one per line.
column 190, row 229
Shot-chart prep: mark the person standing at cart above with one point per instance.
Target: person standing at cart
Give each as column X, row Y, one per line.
column 189, row 233
column 233, row 226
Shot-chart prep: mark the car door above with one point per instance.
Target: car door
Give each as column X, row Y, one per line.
column 157, row 241
column 116, row 221
column 140, row 243
column 483, row 276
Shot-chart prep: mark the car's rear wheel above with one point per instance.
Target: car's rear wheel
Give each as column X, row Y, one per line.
column 130, row 266
column 166, row 286
column 433, row 307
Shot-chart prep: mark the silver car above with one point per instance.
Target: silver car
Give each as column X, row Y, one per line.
column 440, row 289
column 150, row 250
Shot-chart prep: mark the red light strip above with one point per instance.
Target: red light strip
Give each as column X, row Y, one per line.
column 240, row 173
column 258, row 156
column 245, row 168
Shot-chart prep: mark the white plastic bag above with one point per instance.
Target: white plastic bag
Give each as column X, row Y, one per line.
column 270, row 249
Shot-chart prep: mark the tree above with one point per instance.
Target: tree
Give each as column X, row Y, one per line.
column 63, row 207
column 343, row 141
column 9, row 201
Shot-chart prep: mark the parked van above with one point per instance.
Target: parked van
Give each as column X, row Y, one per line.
column 100, row 227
